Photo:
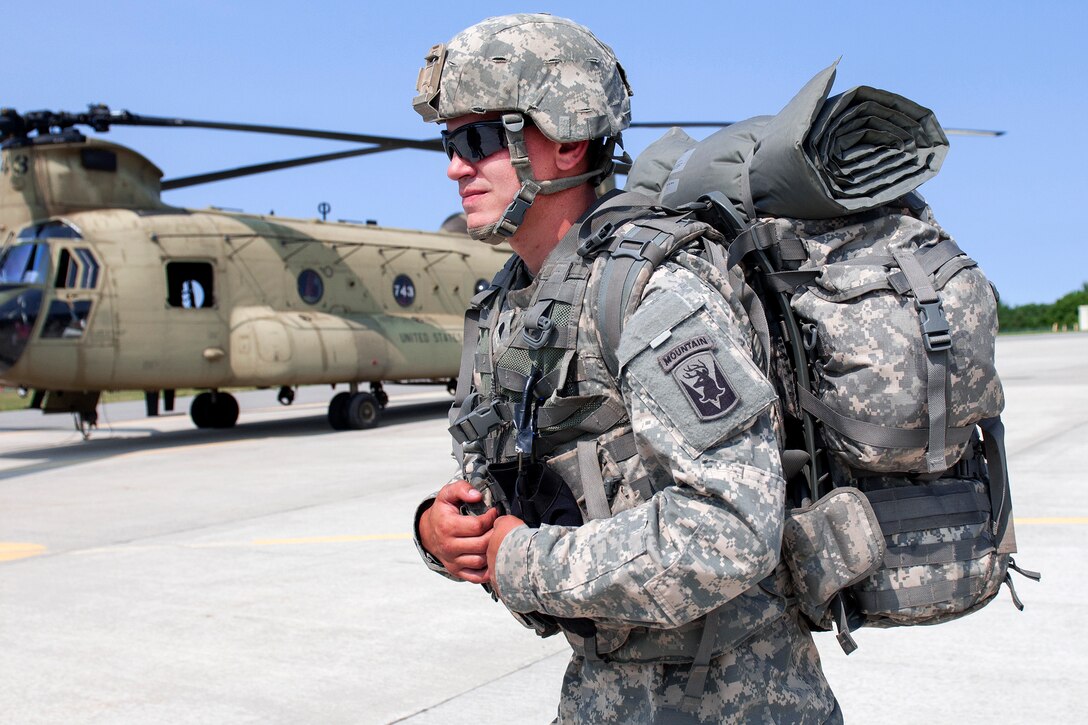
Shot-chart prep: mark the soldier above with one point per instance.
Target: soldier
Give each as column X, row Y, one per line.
column 628, row 493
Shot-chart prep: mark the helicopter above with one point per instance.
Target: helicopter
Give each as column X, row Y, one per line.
column 103, row 286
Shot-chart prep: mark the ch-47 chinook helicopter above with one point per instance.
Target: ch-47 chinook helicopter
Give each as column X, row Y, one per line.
column 105, row 287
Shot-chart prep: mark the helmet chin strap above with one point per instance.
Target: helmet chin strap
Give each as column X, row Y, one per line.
column 507, row 224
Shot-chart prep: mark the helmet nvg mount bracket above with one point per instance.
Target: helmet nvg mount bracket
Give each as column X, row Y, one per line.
column 550, row 70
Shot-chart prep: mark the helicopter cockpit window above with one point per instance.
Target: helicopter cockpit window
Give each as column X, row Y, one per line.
column 66, row 320
column 24, row 264
column 76, row 269
column 190, row 285
column 310, row 286
column 49, row 230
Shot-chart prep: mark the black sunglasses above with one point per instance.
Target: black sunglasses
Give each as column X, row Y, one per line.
column 475, row 141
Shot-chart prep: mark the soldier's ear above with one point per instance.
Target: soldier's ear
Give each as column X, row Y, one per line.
column 571, row 154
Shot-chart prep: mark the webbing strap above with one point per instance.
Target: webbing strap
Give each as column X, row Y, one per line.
column 700, row 665
column 871, row 433
column 470, row 337
column 993, row 443
column 977, row 518
column 842, row 624
column 890, row 600
column 935, row 335
column 758, row 235
column 589, row 473
column 623, row 447
column 940, row 552
column 790, row 280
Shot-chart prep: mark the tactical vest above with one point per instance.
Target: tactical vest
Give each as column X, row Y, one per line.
column 545, row 389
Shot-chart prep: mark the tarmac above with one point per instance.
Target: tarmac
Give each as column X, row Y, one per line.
column 157, row 573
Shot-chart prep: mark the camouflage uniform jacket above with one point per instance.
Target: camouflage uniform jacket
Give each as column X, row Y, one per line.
column 687, row 451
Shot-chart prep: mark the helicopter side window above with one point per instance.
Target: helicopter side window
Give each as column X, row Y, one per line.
column 76, row 269
column 66, row 320
column 24, row 264
column 190, row 285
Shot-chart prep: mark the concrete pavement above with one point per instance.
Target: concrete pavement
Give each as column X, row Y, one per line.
column 162, row 574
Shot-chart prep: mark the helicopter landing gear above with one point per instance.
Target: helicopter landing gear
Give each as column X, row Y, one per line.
column 355, row 411
column 451, row 386
column 85, row 420
column 379, row 393
column 286, row 396
column 151, row 400
column 214, row 410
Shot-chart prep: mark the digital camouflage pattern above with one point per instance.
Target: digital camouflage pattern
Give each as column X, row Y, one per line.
column 871, row 361
column 549, row 68
column 696, row 506
column 829, row 546
column 932, row 573
column 773, row 677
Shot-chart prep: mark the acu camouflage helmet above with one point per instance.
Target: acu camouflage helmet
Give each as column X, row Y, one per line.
column 550, row 69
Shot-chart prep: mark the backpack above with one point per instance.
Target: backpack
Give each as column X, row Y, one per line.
column 880, row 335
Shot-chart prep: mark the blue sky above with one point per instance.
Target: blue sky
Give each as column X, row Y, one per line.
column 1014, row 203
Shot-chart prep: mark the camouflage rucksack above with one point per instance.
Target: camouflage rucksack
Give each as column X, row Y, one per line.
column 882, row 331
column 881, row 339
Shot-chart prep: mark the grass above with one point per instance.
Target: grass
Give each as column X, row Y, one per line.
column 10, row 400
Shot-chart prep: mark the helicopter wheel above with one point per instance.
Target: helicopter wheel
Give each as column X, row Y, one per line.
column 338, row 411
column 214, row 410
column 286, row 396
column 363, row 411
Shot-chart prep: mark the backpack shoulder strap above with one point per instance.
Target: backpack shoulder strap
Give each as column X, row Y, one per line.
column 630, row 253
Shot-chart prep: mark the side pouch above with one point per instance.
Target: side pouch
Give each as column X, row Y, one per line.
column 830, row 545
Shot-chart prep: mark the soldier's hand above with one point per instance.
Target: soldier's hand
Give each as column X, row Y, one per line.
column 457, row 540
column 503, row 526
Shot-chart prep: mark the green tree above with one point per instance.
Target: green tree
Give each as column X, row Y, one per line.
column 1034, row 316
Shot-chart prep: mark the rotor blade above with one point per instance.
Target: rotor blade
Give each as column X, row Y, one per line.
column 723, row 124
column 101, row 118
column 681, row 124
column 972, row 132
column 184, row 181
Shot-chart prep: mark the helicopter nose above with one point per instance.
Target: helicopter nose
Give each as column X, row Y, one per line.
column 19, row 308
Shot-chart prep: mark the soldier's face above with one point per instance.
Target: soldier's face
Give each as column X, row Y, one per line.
column 487, row 186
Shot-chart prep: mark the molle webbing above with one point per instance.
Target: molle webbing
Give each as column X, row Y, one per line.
column 470, row 337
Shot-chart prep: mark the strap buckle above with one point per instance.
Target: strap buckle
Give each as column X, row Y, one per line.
column 591, row 247
column 478, row 423
column 631, row 248
column 935, row 333
column 541, row 333
column 515, row 215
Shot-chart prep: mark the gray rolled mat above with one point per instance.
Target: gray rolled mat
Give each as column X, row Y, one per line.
column 818, row 158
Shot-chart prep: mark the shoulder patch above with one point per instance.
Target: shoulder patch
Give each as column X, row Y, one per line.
column 706, row 387
column 700, row 380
